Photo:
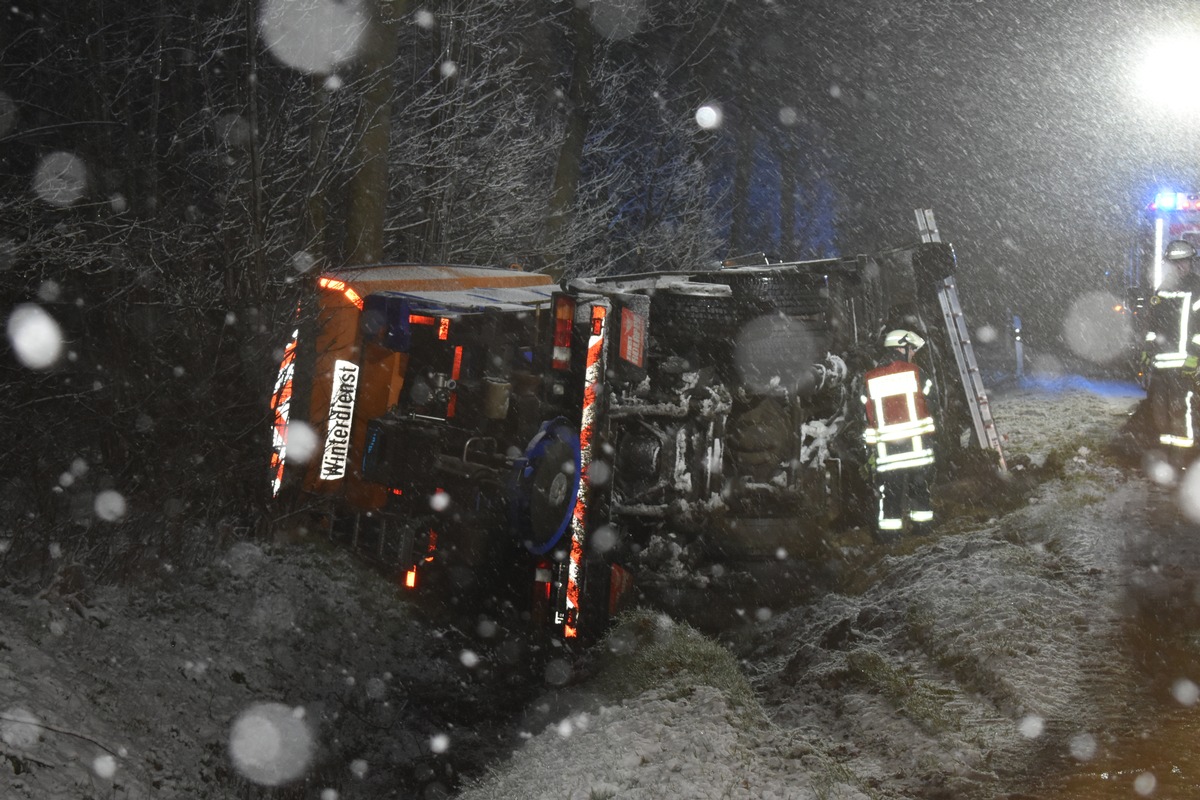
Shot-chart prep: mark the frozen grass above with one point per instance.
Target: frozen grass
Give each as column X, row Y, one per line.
column 669, row 714
column 648, row 651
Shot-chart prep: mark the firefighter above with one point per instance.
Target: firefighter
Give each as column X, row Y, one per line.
column 899, row 435
column 1172, row 351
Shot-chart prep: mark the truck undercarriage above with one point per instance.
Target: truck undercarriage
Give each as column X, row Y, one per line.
column 530, row 444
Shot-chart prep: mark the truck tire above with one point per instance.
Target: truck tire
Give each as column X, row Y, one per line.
column 795, row 295
column 682, row 319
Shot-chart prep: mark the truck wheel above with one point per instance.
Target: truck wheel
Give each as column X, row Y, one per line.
column 545, row 487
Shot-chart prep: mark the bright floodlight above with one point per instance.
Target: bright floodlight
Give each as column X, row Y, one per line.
column 1166, row 76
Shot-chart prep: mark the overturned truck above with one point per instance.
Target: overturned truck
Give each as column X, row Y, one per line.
column 495, row 437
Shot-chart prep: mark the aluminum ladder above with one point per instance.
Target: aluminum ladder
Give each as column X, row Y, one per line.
column 964, row 353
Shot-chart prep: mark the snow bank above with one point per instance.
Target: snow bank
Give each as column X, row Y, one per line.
column 668, row 715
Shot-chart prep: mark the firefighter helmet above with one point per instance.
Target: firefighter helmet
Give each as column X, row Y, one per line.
column 903, row 338
column 1179, row 250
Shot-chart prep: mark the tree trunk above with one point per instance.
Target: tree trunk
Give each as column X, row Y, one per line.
column 314, row 238
column 256, row 281
column 743, row 172
column 787, row 197
column 369, row 183
column 570, row 155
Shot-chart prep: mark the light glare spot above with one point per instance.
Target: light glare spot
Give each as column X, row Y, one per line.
column 1093, row 331
column 105, row 766
column 617, row 19
column 36, row 337
column 439, row 501
column 1189, row 495
column 1145, row 784
column 1032, row 726
column 1185, row 692
column 303, row 261
column 19, row 728
column 302, row 441
column 986, row 334
column 60, row 178
column 424, row 19
column 439, row 743
column 708, row 117
column 312, row 35
column 557, row 672
column 109, row 505
column 1083, row 747
column 604, row 538
column 270, row 744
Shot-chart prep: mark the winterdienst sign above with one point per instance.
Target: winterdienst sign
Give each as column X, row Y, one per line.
column 341, row 411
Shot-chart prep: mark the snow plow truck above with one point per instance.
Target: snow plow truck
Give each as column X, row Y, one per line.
column 490, row 434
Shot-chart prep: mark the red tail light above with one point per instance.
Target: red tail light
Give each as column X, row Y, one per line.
column 598, row 315
column 564, row 318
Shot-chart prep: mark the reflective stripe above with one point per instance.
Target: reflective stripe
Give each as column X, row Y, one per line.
column 1176, row 359
column 890, row 524
column 916, row 459
column 1189, row 434
column 920, row 516
column 591, row 381
column 907, row 430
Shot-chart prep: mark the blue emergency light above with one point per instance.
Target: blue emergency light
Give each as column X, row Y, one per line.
column 1172, row 201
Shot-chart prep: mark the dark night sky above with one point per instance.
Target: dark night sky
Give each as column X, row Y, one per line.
column 1021, row 127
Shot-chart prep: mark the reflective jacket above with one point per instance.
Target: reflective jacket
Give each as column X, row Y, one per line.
column 899, row 425
column 1172, row 342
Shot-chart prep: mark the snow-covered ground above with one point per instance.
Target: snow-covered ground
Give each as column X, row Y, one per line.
column 963, row 665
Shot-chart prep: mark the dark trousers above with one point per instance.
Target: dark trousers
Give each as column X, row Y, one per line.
column 1172, row 407
column 904, row 499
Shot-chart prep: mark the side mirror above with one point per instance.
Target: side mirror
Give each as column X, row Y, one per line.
column 933, row 262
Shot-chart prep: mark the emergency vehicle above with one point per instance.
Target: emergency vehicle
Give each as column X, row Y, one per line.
column 1170, row 216
column 488, row 432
